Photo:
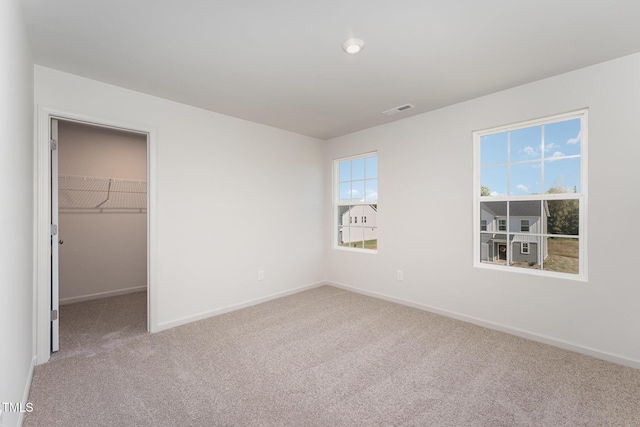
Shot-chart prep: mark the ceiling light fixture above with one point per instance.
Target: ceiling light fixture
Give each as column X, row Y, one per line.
column 353, row 46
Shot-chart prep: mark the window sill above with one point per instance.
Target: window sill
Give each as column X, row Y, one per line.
column 359, row 250
column 532, row 272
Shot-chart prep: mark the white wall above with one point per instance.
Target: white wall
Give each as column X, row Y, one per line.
column 104, row 252
column 214, row 172
column 97, row 151
column 16, row 212
column 426, row 162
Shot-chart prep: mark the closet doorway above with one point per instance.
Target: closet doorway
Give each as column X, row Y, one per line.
column 99, row 202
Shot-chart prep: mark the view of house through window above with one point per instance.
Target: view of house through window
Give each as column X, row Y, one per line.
column 530, row 195
column 356, row 201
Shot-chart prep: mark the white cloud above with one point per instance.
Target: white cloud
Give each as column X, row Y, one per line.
column 557, row 154
column 550, row 146
column 530, row 151
column 495, row 193
column 522, row 188
column 576, row 140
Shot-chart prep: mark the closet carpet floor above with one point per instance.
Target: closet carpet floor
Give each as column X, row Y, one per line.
column 90, row 327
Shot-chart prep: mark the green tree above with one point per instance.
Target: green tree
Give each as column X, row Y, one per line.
column 485, row 191
column 564, row 214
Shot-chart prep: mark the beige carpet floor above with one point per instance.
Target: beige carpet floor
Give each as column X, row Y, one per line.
column 328, row 357
column 90, row 327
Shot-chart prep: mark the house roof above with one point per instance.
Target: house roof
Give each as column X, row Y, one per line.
column 525, row 238
column 281, row 63
column 517, row 208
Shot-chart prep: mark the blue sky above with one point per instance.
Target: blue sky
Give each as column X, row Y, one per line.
column 512, row 162
column 359, row 180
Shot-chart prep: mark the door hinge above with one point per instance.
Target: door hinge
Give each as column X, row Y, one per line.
column 54, row 229
column 53, row 144
column 54, row 315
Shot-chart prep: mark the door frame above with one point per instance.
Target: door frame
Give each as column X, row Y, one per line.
column 499, row 244
column 496, row 249
column 55, row 248
column 42, row 221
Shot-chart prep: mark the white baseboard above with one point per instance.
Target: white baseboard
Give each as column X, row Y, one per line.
column 567, row 345
column 99, row 295
column 27, row 389
column 233, row 307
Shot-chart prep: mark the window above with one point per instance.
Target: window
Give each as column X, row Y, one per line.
column 530, row 180
column 356, row 195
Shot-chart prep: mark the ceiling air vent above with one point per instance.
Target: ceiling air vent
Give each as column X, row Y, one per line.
column 399, row 109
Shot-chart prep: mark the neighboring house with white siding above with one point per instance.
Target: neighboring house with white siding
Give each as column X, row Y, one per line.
column 518, row 234
column 359, row 223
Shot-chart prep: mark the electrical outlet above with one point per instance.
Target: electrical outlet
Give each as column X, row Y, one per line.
column 260, row 274
column 400, row 275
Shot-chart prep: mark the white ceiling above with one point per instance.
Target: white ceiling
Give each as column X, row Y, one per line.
column 280, row 62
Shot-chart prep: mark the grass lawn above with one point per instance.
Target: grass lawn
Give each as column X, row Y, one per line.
column 563, row 255
column 368, row 244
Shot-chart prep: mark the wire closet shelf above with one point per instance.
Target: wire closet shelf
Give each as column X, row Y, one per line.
column 93, row 194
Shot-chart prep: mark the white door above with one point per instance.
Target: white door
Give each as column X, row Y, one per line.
column 55, row 333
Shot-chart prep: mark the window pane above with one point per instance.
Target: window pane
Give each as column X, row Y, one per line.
column 493, row 149
column 357, row 191
column 525, row 210
column 353, row 230
column 492, row 212
column 564, row 217
column 493, row 248
column 357, row 169
column 493, row 181
column 343, row 215
column 563, row 255
column 345, row 171
column 526, row 179
column 525, row 251
column 371, row 166
column 371, row 190
column 345, row 192
column 526, row 144
column 371, row 212
column 343, row 224
column 562, row 176
column 563, row 137
column 344, row 236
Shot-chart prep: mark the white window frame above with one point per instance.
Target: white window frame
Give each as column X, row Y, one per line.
column 528, row 226
column 522, row 246
column 337, row 203
column 581, row 197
